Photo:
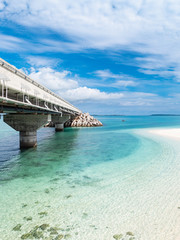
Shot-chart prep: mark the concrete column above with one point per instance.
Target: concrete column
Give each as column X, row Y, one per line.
column 28, row 139
column 59, row 127
column 27, row 125
column 59, row 121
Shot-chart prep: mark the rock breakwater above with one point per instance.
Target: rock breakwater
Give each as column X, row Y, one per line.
column 83, row 120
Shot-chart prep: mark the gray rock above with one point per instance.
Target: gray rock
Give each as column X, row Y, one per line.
column 83, row 120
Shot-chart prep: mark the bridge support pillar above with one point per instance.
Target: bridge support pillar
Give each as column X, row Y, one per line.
column 27, row 125
column 28, row 139
column 59, row 127
column 59, row 121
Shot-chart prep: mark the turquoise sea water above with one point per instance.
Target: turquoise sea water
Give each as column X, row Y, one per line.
column 85, row 183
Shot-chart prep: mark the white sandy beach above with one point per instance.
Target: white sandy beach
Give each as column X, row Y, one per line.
column 168, row 133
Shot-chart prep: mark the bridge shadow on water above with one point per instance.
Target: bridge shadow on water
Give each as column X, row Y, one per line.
column 61, row 153
column 52, row 151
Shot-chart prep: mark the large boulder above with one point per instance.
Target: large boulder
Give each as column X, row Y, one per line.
column 83, row 120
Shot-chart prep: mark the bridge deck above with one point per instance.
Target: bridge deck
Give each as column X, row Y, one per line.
column 18, row 91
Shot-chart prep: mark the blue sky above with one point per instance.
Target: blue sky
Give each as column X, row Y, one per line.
column 104, row 56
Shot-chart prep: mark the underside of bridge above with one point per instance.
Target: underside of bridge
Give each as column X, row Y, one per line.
column 59, row 121
column 28, row 124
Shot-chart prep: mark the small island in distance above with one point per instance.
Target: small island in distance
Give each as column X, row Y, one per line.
column 164, row 115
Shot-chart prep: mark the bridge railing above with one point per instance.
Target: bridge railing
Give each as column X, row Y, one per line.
column 18, row 87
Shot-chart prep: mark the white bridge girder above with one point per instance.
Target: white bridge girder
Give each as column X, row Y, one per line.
column 30, row 104
column 17, row 89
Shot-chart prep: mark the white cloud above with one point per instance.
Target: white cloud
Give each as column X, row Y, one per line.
column 39, row 61
column 65, row 86
column 84, row 94
column 124, row 83
column 97, row 101
column 10, row 43
column 149, row 27
column 122, row 80
column 92, row 94
column 106, row 74
column 2, row 5
column 52, row 79
column 68, row 87
column 98, row 23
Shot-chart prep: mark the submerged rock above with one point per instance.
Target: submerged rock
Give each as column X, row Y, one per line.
column 44, row 226
column 28, row 218
column 118, row 236
column 17, row 227
column 42, row 214
column 129, row 234
column 38, row 235
column 27, row 236
column 53, row 230
column 34, row 229
column 59, row 237
column 45, row 231
column 67, row 236
column 24, row 205
column 46, row 190
column 68, row 196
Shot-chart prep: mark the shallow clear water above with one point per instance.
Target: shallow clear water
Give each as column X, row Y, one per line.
column 89, row 183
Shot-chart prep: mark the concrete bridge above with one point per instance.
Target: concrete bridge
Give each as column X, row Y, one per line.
column 28, row 105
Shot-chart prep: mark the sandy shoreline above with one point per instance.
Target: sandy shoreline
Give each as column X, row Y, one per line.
column 170, row 132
